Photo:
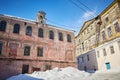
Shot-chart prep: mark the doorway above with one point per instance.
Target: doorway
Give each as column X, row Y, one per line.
column 108, row 66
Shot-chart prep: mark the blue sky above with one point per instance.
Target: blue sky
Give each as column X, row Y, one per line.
column 61, row 13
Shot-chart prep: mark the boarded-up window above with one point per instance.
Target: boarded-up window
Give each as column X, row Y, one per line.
column 69, row 55
column 35, row 69
column 13, row 49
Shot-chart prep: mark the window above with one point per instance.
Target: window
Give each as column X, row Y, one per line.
column 83, row 46
column 79, row 41
column 69, row 38
column 91, row 27
column 40, row 52
column 112, row 49
column 60, row 36
column 35, row 69
column 1, row 45
column 103, row 35
column 98, row 54
column 40, row 32
column 16, row 28
column 104, row 52
column 119, row 44
column 82, row 59
column 47, row 67
column 87, row 30
column 85, row 68
column 84, row 32
column 29, row 31
column 41, row 17
column 3, row 25
column 106, row 19
column 109, row 31
column 25, row 23
column 13, row 49
column 117, row 28
column 27, row 51
column 88, row 57
column 25, row 68
column 51, row 35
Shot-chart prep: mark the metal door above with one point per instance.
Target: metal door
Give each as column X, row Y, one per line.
column 107, row 65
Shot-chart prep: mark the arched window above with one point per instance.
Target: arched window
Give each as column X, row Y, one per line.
column 29, row 31
column 68, row 38
column 40, row 32
column 16, row 28
column 60, row 36
column 3, row 25
column 51, row 35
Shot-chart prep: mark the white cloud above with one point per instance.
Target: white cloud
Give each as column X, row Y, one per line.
column 86, row 16
column 89, row 14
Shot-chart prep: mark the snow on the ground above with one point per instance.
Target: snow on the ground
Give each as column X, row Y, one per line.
column 23, row 77
column 69, row 73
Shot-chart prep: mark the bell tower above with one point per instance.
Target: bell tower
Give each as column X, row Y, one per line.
column 41, row 17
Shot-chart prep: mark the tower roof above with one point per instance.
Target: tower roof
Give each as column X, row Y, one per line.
column 42, row 12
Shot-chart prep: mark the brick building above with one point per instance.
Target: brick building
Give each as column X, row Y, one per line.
column 27, row 46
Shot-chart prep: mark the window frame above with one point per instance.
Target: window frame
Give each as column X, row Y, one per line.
column 27, row 53
column 40, row 32
column 106, row 19
column 3, row 25
column 119, row 44
column 60, row 36
column 29, row 30
column 104, row 52
column 109, row 30
column 103, row 35
column 39, row 52
column 1, row 47
column 69, row 39
column 16, row 28
column 117, row 27
column 88, row 57
column 112, row 49
column 51, row 35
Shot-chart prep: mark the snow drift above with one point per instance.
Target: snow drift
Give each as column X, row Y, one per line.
column 68, row 73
